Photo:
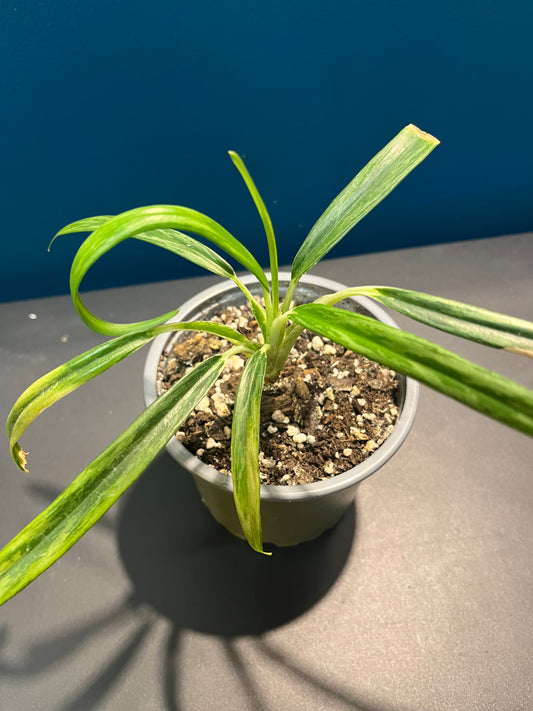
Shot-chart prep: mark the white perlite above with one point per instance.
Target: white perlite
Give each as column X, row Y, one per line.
column 220, row 403
column 317, row 344
column 235, row 362
column 329, row 468
column 204, row 405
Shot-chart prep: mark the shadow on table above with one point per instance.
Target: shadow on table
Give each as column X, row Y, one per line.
column 186, row 567
column 193, row 572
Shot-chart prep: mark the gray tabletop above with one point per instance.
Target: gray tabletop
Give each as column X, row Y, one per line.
column 421, row 598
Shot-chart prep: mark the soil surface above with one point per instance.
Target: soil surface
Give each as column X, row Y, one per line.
column 328, row 410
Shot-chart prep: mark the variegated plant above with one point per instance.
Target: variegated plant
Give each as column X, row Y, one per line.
column 57, row 528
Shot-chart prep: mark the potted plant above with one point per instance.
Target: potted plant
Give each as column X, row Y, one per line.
column 280, row 323
column 305, row 505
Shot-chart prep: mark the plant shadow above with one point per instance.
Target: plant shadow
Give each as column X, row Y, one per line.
column 192, row 571
column 187, row 568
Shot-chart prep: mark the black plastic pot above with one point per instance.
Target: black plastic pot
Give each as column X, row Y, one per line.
column 290, row 514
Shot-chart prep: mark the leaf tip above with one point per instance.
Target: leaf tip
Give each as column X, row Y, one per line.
column 423, row 135
column 528, row 352
column 259, row 549
column 49, row 248
column 235, row 157
column 20, row 457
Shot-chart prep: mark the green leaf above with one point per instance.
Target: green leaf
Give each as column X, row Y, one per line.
column 472, row 322
column 245, row 449
column 181, row 244
column 71, row 375
column 481, row 389
column 374, row 182
column 63, row 380
column 267, row 224
column 217, row 329
column 190, row 249
column 172, row 240
column 87, row 224
column 141, row 221
column 94, row 491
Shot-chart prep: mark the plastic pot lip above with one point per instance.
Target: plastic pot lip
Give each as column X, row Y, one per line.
column 325, row 487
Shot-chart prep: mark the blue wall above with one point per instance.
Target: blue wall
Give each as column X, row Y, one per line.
column 112, row 104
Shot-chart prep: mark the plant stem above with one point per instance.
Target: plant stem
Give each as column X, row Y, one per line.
column 288, row 296
column 262, row 319
column 332, row 299
column 281, row 341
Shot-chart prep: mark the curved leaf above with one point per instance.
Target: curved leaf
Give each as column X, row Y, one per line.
column 217, row 329
column 172, row 240
column 374, row 182
column 189, row 248
column 63, row 380
column 182, row 245
column 141, row 221
column 66, row 378
column 86, row 224
column 481, row 389
column 94, row 491
column 245, row 449
column 472, row 322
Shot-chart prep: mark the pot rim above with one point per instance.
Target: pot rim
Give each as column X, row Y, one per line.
column 349, row 478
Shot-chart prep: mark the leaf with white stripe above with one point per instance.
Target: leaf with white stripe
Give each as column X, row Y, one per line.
column 373, row 183
column 245, row 449
column 440, row 369
column 97, row 488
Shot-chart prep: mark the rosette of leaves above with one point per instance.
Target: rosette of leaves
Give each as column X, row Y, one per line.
column 87, row 498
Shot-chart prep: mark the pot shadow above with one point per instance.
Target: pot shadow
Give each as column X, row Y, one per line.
column 192, row 571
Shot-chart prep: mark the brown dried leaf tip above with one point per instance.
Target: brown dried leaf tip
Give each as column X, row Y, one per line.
column 21, row 457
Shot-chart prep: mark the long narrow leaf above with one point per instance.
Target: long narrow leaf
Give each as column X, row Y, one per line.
column 374, row 182
column 63, row 380
column 245, row 449
column 94, row 491
column 66, row 378
column 86, row 224
column 217, row 329
column 481, row 389
column 142, row 221
column 172, row 240
column 267, row 223
column 182, row 245
column 472, row 322
column 189, row 248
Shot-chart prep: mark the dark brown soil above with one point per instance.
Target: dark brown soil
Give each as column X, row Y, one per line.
column 328, row 411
